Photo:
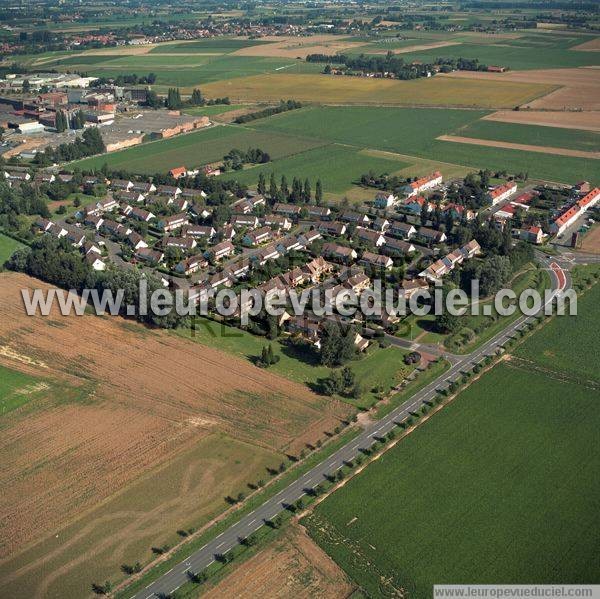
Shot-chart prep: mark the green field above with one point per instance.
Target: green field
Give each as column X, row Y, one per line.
column 186, row 70
column 7, row 246
column 336, row 165
column 298, row 143
column 569, row 343
column 530, row 51
column 401, row 130
column 218, row 45
column 198, row 148
column 492, row 489
column 413, row 132
column 557, row 137
column 16, row 389
column 516, row 58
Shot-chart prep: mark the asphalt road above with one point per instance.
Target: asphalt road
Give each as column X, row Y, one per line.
column 206, row 555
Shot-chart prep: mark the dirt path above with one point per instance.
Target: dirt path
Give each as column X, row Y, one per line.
column 513, row 146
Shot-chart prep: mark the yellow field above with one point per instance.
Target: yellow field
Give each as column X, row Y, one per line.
column 437, row 91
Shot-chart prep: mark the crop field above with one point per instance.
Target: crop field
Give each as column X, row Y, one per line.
column 7, row 246
column 467, row 497
column 139, row 438
column 413, row 132
column 400, row 130
column 182, row 70
column 218, row 45
column 324, row 89
column 525, row 53
column 534, row 135
column 567, row 343
column 197, row 148
column 337, row 166
column 316, row 142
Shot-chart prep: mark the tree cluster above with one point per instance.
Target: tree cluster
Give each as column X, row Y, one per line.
column 337, row 344
column 89, row 144
column 57, row 262
column 235, row 159
column 284, row 106
column 267, row 358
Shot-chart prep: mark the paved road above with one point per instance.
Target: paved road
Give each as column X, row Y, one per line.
column 248, row 524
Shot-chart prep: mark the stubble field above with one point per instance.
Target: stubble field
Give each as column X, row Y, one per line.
column 149, row 435
column 330, row 89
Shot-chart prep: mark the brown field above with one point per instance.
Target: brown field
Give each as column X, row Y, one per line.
column 292, row 567
column 299, row 47
column 514, row 146
column 435, row 91
column 589, row 121
column 592, row 45
column 149, row 435
column 579, row 88
column 591, row 241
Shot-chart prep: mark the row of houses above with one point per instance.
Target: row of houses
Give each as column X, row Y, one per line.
column 434, row 272
column 567, row 218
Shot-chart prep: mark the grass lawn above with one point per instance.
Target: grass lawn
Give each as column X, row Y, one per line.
column 435, row 91
column 7, row 246
column 535, row 135
column 198, row 148
column 492, row 489
column 16, row 389
column 336, row 165
column 378, row 368
column 419, row 328
column 569, row 343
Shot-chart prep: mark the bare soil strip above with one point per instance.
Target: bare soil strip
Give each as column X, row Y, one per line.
column 292, row 566
column 513, row 146
column 589, row 121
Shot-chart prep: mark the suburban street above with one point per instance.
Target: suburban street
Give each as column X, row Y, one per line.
column 249, row 523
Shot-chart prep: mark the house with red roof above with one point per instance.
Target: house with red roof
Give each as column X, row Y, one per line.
column 502, row 192
column 177, row 172
column 567, row 218
column 423, row 184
